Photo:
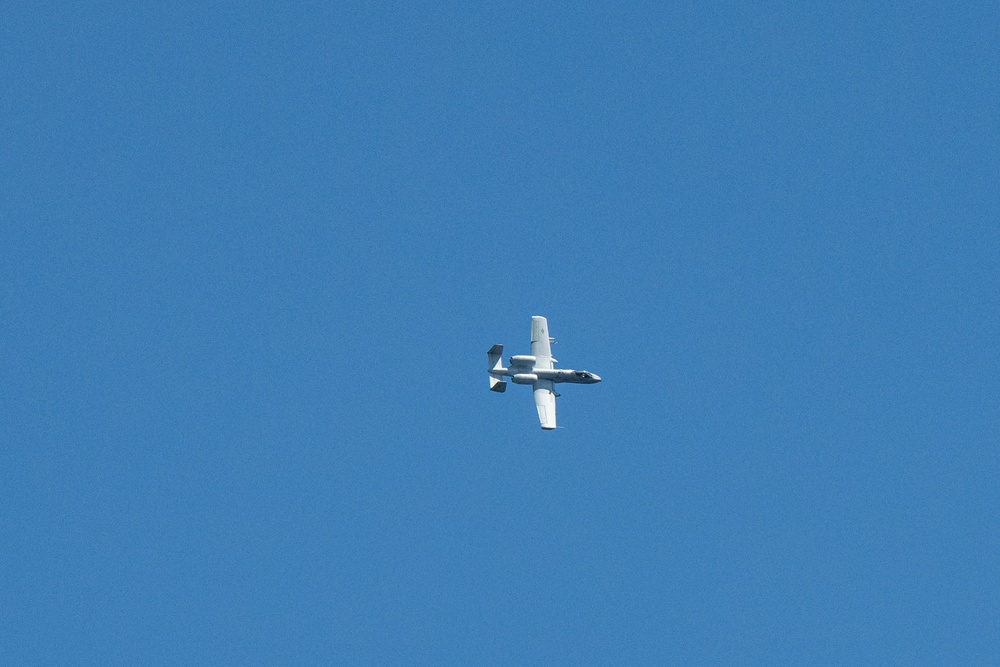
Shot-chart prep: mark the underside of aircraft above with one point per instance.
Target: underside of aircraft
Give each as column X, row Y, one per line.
column 537, row 369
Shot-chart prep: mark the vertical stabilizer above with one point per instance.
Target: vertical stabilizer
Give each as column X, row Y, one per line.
column 494, row 360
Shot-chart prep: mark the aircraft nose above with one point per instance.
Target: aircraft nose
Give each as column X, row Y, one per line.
column 597, row 378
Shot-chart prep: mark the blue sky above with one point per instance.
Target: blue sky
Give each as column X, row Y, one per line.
column 252, row 257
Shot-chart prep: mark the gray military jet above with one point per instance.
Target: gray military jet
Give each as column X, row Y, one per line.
column 536, row 369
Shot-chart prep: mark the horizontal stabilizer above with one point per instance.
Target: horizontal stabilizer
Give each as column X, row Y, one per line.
column 495, row 368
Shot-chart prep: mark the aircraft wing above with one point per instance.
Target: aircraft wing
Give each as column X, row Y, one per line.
column 545, row 402
column 540, row 347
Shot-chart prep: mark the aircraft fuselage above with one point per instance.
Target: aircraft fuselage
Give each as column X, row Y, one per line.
column 529, row 374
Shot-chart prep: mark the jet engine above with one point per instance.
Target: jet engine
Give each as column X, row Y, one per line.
column 524, row 378
column 522, row 360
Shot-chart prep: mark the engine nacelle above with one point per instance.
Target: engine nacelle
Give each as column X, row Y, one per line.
column 522, row 360
column 524, row 378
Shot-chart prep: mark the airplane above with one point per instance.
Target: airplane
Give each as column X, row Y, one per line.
column 537, row 369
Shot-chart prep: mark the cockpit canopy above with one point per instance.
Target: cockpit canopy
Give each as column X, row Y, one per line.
column 586, row 377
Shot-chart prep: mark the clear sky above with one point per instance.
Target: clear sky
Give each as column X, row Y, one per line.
column 252, row 256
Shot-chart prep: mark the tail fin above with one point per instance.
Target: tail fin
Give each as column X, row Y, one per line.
column 495, row 368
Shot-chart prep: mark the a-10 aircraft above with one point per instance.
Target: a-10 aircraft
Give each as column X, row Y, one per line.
column 536, row 369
